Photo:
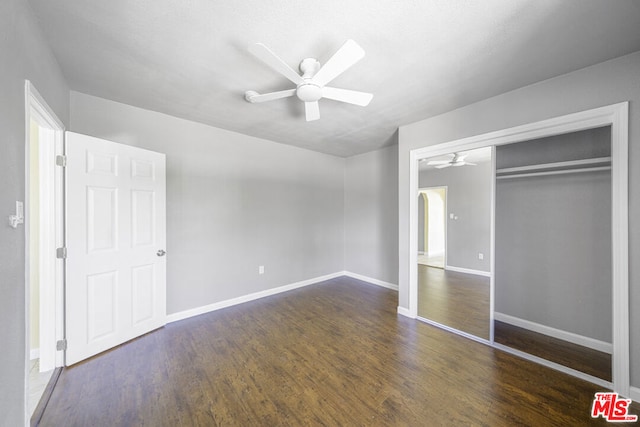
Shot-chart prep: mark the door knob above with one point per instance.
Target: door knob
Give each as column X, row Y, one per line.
column 161, row 252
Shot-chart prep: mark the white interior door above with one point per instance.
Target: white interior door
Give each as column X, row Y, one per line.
column 116, row 236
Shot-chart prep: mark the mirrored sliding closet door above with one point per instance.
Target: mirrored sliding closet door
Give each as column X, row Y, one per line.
column 454, row 241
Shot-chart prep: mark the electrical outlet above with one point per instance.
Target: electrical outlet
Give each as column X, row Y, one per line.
column 261, row 269
column 480, row 255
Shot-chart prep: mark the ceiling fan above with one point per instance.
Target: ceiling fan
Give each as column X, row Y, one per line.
column 456, row 160
column 311, row 85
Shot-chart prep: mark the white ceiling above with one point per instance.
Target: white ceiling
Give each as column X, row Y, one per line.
column 189, row 58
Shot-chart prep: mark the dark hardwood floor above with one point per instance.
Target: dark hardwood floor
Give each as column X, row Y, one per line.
column 461, row 301
column 574, row 356
column 458, row 300
column 335, row 353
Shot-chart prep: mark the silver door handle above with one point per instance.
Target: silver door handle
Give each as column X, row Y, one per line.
column 161, row 252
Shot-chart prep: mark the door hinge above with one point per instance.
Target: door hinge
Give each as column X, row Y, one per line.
column 61, row 345
column 61, row 253
column 61, row 161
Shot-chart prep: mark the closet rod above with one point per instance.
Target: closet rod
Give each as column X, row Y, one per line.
column 555, row 172
column 569, row 163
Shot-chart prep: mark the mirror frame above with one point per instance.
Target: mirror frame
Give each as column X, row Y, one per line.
column 616, row 116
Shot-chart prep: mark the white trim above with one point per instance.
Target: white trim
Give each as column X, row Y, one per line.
column 34, row 353
column 582, row 120
column 54, row 313
column 634, row 393
column 571, row 337
column 617, row 116
column 492, row 246
column 414, row 175
column 468, row 271
column 181, row 315
column 620, row 245
column 405, row 312
column 555, row 366
column 37, row 101
column 371, row 280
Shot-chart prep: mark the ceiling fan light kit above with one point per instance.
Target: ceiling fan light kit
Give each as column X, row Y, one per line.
column 311, row 85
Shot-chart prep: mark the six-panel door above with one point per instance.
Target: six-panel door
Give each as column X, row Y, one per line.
column 116, row 238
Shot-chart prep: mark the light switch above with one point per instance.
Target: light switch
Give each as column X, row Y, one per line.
column 18, row 218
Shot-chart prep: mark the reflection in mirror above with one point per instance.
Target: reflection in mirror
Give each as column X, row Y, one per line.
column 454, row 226
column 553, row 272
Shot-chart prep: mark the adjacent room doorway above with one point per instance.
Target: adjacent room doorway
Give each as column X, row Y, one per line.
column 432, row 234
column 44, row 233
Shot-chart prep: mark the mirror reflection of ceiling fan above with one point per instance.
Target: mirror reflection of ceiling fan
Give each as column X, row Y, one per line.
column 456, row 160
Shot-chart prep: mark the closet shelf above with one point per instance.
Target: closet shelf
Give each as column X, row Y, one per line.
column 556, row 168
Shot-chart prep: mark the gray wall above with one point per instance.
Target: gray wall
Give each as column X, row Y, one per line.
column 602, row 84
column 24, row 54
column 553, row 252
column 371, row 214
column 234, row 202
column 469, row 198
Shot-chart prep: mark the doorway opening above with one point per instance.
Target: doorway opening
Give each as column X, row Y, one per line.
column 432, row 229
column 44, row 234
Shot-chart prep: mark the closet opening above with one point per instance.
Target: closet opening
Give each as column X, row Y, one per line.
column 598, row 177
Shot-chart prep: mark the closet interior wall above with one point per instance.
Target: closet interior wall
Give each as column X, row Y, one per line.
column 553, row 247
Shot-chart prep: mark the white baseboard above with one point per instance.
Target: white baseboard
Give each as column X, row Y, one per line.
column 468, row 271
column 371, row 280
column 594, row 344
column 174, row 317
column 34, row 353
column 405, row 312
column 634, row 393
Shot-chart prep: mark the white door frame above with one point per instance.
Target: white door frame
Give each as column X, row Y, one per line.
column 423, row 190
column 617, row 116
column 51, row 230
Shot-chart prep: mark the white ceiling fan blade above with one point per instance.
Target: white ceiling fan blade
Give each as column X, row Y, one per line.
column 312, row 110
column 438, row 162
column 273, row 61
column 443, row 166
column 254, row 97
column 345, row 95
column 345, row 57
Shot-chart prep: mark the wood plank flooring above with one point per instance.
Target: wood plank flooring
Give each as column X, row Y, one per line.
column 334, row 353
column 574, row 356
column 458, row 300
